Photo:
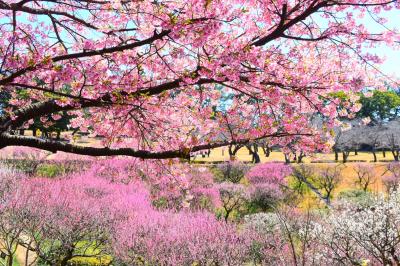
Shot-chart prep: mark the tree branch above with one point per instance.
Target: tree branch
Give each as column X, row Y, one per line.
column 54, row 146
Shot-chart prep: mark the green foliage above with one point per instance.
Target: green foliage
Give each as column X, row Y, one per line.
column 298, row 186
column 382, row 106
column 340, row 95
column 160, row 203
column 50, row 170
column 234, row 215
column 357, row 196
column 93, row 261
column 45, row 168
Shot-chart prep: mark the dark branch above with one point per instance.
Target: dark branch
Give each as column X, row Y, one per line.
column 54, row 146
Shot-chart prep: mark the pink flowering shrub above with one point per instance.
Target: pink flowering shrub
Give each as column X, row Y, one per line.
column 184, row 187
column 89, row 214
column 157, row 238
column 234, row 199
column 120, row 170
column 391, row 180
column 273, row 173
column 263, row 197
column 202, row 193
column 21, row 152
column 10, row 217
column 171, row 186
column 267, row 181
column 71, row 214
column 66, row 218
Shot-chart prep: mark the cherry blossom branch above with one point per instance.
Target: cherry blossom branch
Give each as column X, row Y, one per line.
column 54, row 146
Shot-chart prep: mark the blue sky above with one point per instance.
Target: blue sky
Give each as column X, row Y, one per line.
column 392, row 64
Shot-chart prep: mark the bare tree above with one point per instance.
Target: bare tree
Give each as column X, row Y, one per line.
column 366, row 175
column 389, row 138
column 233, row 198
column 327, row 180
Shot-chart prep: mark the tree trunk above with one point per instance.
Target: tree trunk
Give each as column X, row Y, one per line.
column 256, row 158
column 356, row 152
column 10, row 260
column 268, row 153
column 384, row 153
column 300, row 158
column 315, row 190
column 27, row 254
column 226, row 216
column 395, row 155
column 345, row 156
column 336, row 156
column 230, row 151
column 255, row 147
column 374, row 154
column 68, row 256
column 287, row 158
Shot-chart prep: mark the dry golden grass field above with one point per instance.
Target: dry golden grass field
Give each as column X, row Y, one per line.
column 349, row 175
column 221, row 154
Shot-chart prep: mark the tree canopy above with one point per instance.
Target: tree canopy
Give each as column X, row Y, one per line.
column 381, row 106
column 147, row 75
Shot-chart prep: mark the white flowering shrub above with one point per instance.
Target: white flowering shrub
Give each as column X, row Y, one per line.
column 286, row 237
column 262, row 222
column 357, row 235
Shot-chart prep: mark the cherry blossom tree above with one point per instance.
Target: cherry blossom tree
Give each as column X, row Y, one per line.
column 149, row 76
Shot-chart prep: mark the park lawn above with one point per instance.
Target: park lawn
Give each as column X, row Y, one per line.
column 348, row 182
column 221, row 154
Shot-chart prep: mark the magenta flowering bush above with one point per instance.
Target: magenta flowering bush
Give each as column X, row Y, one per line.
column 88, row 214
column 184, row 187
column 66, row 218
column 166, row 238
column 21, row 152
column 267, row 182
column 273, row 173
column 61, row 219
